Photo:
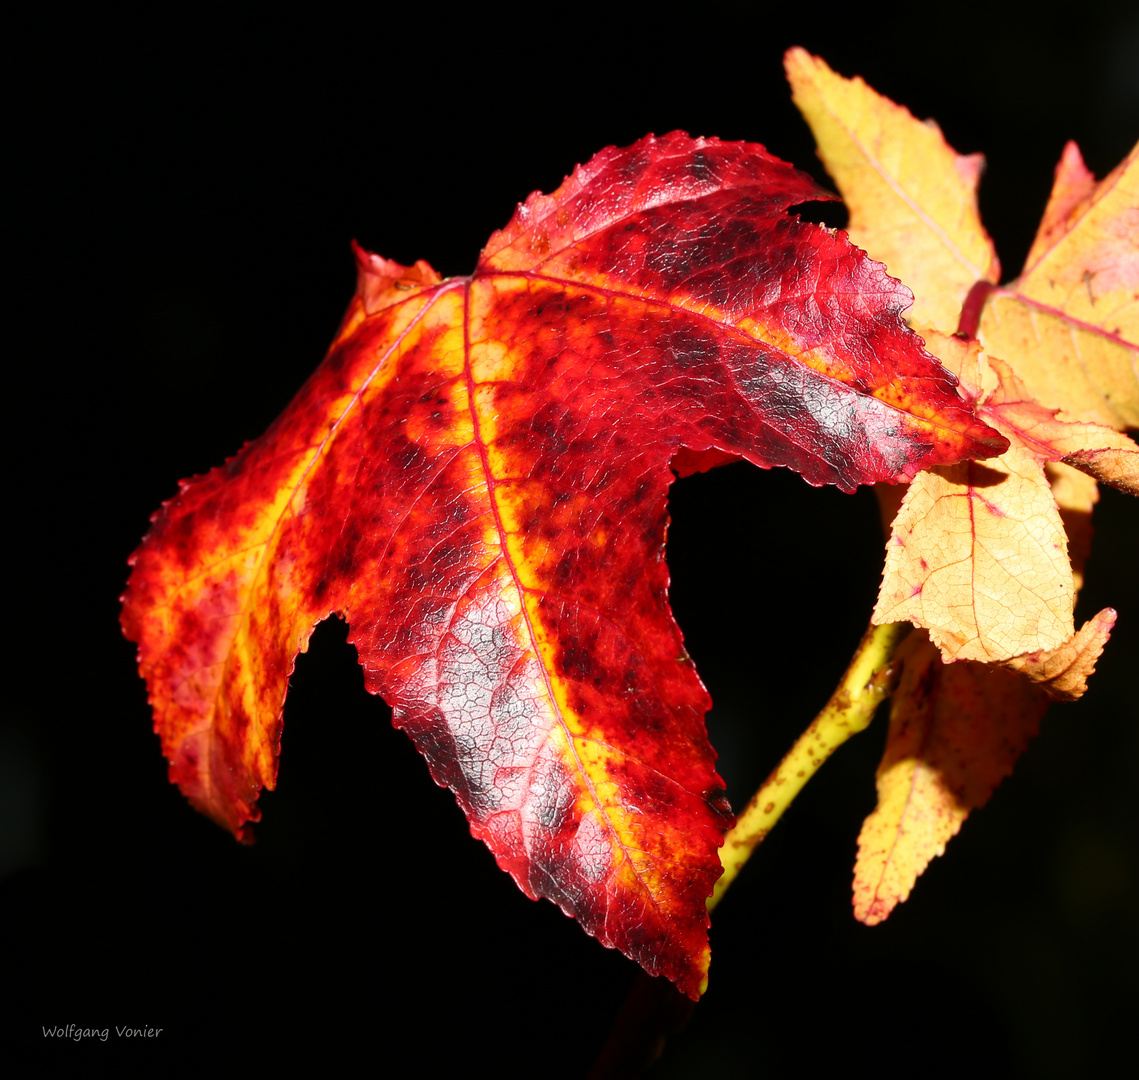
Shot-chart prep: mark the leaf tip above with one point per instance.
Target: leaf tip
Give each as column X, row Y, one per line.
column 873, row 910
column 1063, row 672
column 800, row 65
column 992, row 441
column 795, row 58
column 382, row 282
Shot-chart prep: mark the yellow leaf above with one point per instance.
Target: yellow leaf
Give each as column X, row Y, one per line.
column 978, row 556
column 1070, row 324
column 1085, row 260
column 955, row 732
column 912, row 198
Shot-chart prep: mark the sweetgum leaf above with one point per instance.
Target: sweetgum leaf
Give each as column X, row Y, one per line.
column 978, row 554
column 476, row 480
column 1069, row 325
column 956, row 730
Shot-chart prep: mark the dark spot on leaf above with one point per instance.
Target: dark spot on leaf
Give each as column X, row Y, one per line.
column 698, row 168
column 577, row 663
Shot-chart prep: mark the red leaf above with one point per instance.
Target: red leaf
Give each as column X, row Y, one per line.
column 476, row 478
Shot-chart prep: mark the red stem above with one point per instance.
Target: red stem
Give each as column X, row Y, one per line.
column 971, row 309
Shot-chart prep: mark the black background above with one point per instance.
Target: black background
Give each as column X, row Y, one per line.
column 184, row 193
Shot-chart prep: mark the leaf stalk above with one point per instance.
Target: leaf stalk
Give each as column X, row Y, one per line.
column 868, row 681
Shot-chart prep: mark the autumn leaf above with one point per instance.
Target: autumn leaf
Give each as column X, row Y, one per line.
column 912, row 198
column 476, row 480
column 1069, row 325
column 956, row 731
column 978, row 554
column 979, row 558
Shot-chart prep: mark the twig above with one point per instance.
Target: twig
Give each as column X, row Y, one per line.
column 867, row 683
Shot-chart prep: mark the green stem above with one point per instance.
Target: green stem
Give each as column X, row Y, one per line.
column 867, row 683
